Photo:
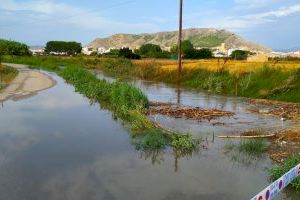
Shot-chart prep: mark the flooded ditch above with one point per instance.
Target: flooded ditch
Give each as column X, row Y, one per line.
column 57, row 145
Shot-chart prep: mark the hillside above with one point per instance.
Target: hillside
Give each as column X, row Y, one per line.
column 200, row 37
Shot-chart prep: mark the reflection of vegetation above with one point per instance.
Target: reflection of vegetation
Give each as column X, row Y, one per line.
column 153, row 143
column 279, row 170
column 245, row 152
column 255, row 146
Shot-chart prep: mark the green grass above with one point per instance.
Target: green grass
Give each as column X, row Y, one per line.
column 279, row 170
column 255, row 146
column 153, row 140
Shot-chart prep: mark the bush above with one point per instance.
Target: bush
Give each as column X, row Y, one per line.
column 8, row 47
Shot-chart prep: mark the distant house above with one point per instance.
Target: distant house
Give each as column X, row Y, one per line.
column 37, row 50
column 87, row 50
column 218, row 54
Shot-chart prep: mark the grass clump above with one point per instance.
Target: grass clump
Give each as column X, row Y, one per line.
column 184, row 142
column 7, row 74
column 153, row 140
column 279, row 170
column 256, row 146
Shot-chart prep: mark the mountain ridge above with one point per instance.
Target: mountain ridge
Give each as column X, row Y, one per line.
column 200, row 37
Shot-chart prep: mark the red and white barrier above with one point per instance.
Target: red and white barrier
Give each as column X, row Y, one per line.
column 273, row 190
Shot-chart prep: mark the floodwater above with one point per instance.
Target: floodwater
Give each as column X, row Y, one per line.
column 58, row 146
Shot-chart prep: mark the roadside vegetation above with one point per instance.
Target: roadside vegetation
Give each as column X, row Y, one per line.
column 7, row 74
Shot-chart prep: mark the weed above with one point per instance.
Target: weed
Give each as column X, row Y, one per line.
column 256, row 146
column 184, row 142
column 153, row 140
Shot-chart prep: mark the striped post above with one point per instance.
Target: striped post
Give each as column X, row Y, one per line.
column 273, row 190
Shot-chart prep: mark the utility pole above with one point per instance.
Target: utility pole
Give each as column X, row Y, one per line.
column 179, row 42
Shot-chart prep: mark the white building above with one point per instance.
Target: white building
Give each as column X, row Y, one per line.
column 87, row 50
column 37, row 51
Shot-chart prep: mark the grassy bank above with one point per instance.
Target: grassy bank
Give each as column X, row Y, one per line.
column 7, row 74
column 276, row 81
column 266, row 81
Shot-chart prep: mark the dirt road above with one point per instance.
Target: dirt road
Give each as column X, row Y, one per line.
column 27, row 83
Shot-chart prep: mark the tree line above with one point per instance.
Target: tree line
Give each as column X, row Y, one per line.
column 9, row 47
column 63, row 48
column 155, row 51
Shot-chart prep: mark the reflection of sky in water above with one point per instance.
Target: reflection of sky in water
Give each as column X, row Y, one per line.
column 57, row 146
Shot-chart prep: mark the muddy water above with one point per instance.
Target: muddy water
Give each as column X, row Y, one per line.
column 58, row 146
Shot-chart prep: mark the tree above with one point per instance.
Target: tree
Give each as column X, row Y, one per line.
column 61, row 47
column 186, row 46
column 127, row 53
column 240, row 54
column 8, row 47
column 204, row 53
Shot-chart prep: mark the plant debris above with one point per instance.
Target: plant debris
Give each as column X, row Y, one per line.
column 195, row 113
column 285, row 145
column 281, row 109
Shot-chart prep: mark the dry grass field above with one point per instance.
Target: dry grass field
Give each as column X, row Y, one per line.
column 215, row 64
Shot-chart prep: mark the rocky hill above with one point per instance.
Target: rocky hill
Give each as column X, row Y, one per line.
column 200, row 37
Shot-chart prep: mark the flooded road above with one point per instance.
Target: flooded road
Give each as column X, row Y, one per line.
column 57, row 146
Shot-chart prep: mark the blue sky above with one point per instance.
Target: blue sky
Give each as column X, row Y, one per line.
column 274, row 23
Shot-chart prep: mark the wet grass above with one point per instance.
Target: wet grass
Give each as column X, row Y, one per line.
column 7, row 74
column 255, row 146
column 279, row 170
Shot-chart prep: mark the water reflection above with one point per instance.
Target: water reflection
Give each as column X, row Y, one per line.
column 57, row 146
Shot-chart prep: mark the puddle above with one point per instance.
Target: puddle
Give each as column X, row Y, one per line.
column 57, row 146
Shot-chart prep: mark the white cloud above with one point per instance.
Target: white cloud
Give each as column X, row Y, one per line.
column 248, row 21
column 39, row 12
column 250, row 4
